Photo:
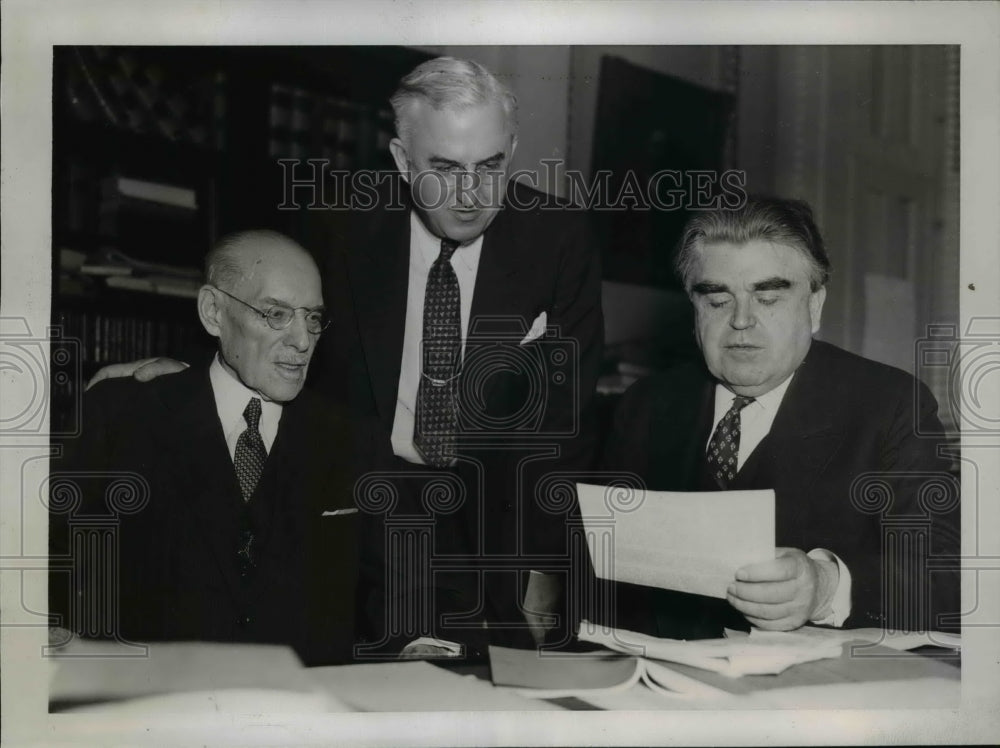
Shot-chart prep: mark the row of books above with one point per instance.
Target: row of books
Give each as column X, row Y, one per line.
column 99, row 338
column 83, row 341
column 308, row 124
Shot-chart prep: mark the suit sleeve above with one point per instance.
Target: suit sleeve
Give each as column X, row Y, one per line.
column 579, row 314
column 337, row 351
column 626, row 448
column 911, row 582
column 570, row 412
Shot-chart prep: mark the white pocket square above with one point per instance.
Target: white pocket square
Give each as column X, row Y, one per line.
column 537, row 329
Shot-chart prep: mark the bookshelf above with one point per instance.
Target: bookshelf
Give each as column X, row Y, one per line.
column 159, row 151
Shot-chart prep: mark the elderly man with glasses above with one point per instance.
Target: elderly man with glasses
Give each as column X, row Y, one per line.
column 242, row 526
column 468, row 334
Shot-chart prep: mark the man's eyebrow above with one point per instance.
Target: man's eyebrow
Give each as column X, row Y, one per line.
column 271, row 301
column 772, row 284
column 442, row 161
column 707, row 287
column 498, row 156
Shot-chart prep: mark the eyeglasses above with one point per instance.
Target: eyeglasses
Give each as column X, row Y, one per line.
column 280, row 316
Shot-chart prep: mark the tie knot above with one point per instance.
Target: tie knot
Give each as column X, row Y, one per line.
column 251, row 414
column 448, row 247
column 740, row 402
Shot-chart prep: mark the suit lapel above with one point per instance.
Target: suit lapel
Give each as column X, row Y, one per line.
column 679, row 430
column 209, row 484
column 501, row 260
column 281, row 486
column 805, row 433
column 702, row 411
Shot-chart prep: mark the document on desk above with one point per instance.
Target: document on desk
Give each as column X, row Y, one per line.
column 760, row 653
column 182, row 676
column 690, row 542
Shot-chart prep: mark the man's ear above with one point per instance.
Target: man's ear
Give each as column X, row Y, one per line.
column 816, row 300
column 210, row 311
column 513, row 147
column 398, row 151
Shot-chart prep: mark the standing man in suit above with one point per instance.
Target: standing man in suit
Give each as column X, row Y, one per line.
column 234, row 473
column 469, row 325
column 840, row 439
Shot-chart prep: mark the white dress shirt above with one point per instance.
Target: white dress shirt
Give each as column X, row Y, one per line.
column 231, row 399
column 424, row 250
column 756, row 420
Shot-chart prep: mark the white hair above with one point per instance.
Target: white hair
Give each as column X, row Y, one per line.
column 447, row 82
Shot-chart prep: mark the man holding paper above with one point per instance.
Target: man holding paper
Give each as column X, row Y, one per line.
column 837, row 437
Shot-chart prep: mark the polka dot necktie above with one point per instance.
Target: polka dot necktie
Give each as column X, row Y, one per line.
column 250, row 451
column 724, row 447
column 434, row 433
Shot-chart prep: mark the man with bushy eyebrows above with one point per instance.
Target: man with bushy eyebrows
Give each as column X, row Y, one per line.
column 770, row 407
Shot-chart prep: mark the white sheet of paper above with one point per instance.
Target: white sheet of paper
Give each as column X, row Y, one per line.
column 691, row 542
column 417, row 686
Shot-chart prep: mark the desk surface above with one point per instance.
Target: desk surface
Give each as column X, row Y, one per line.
column 863, row 677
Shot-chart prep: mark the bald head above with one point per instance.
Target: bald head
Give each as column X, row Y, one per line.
column 247, row 274
column 237, row 257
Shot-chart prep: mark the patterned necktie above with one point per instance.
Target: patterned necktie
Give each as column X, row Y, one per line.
column 724, row 447
column 250, row 452
column 434, row 433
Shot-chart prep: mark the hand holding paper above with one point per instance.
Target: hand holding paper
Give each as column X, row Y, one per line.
column 691, row 542
column 785, row 593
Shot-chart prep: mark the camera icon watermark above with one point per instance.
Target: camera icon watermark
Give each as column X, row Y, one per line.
column 968, row 363
column 35, row 371
column 511, row 377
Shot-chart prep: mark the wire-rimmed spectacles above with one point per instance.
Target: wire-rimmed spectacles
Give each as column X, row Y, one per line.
column 280, row 316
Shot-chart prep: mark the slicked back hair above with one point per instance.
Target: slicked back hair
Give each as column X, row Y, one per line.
column 450, row 83
column 770, row 219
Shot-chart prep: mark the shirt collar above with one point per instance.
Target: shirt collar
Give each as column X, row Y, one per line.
column 429, row 245
column 232, row 396
column 769, row 401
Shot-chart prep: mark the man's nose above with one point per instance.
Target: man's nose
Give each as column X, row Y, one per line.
column 743, row 314
column 468, row 183
column 297, row 335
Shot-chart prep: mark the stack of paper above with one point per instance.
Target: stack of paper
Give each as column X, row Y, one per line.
column 898, row 640
column 557, row 675
column 760, row 653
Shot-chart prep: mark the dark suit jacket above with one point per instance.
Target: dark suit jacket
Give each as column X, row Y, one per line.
column 530, row 417
column 851, row 473
column 179, row 573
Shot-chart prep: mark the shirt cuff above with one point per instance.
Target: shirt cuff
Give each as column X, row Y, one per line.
column 454, row 650
column 840, row 604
